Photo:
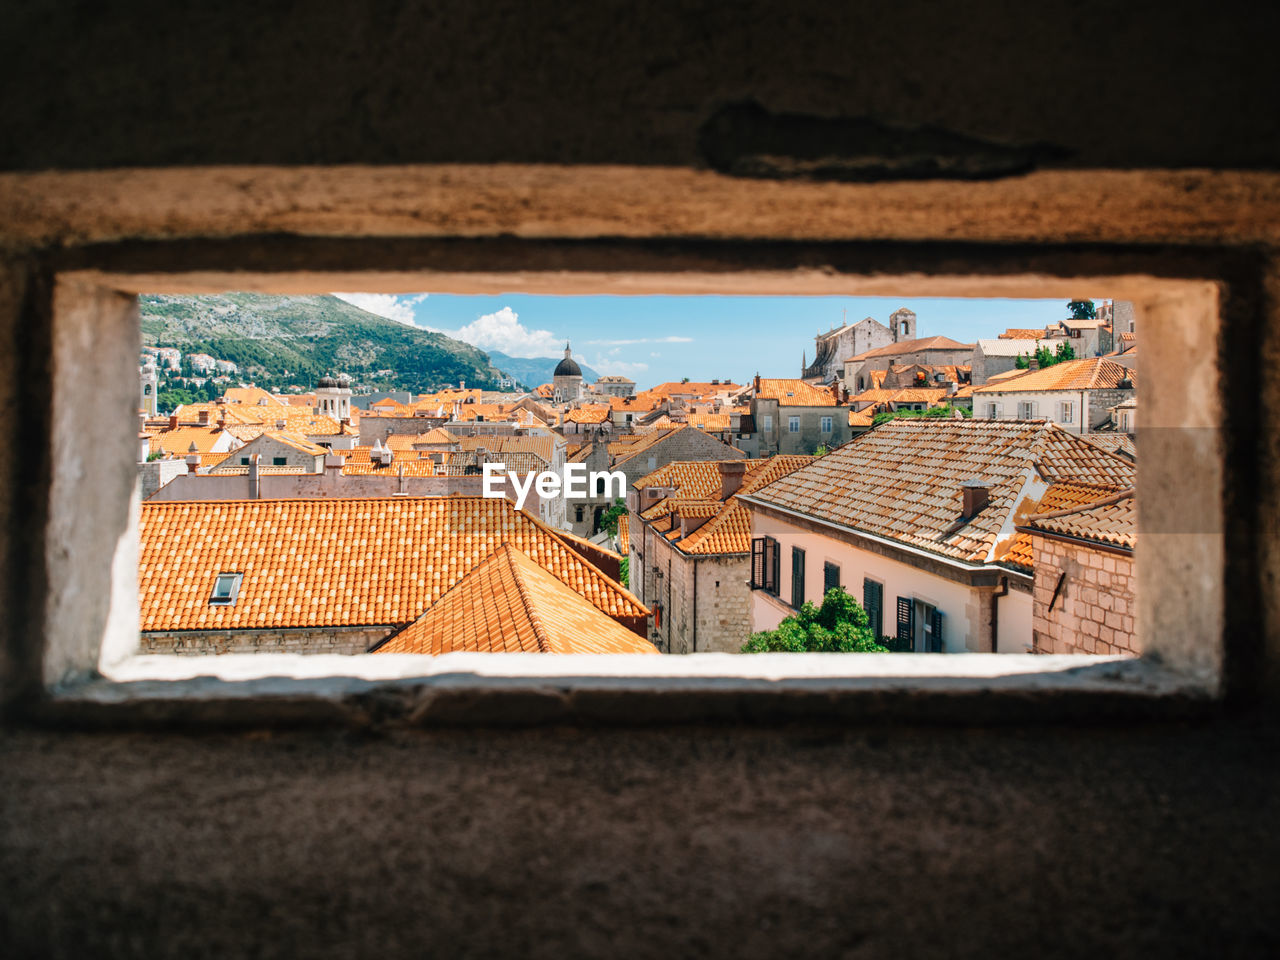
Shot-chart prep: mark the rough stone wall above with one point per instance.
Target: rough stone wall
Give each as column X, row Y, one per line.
column 156, row 473
column 1101, row 402
column 682, row 445
column 810, row 435
column 1095, row 610
column 199, row 643
column 719, row 606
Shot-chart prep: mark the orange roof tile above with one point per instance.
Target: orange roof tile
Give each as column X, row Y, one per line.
column 1023, row 333
column 1064, row 495
column 913, row 346
column 1094, row 373
column 1112, row 520
column 510, row 604
column 624, row 531
column 794, row 393
column 588, row 413
column 438, row 435
column 335, row 562
column 248, row 396
column 180, row 439
column 902, row 480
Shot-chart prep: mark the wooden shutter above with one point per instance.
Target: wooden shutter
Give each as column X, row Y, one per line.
column 906, row 623
column 935, row 641
column 757, row 563
column 830, row 577
column 773, row 564
column 797, row 577
column 873, row 603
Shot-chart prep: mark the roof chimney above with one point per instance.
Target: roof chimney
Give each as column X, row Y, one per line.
column 731, row 474
column 974, row 497
column 173, row 421
column 1126, row 382
column 1033, row 363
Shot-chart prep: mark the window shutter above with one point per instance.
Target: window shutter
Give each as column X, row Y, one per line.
column 757, row 563
column 773, row 564
column 873, row 603
column 906, row 623
column 797, row 577
column 830, row 577
column 935, row 643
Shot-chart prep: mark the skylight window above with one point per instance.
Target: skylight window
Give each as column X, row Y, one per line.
column 225, row 589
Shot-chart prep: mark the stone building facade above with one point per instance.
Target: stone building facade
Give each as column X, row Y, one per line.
column 1095, row 608
column 348, row 641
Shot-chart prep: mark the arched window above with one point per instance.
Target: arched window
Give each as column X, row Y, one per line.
column 146, row 391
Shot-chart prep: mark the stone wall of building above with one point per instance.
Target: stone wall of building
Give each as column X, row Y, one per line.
column 156, row 473
column 683, row 445
column 1095, row 609
column 201, row 643
column 1101, row 402
column 777, row 437
column 705, row 600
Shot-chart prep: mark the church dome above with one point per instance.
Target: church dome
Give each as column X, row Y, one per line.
column 567, row 367
column 328, row 382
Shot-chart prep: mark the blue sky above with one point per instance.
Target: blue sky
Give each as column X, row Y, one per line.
column 655, row 339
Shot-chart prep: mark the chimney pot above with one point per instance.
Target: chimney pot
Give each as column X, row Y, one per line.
column 731, row 474
column 173, row 421
column 975, row 495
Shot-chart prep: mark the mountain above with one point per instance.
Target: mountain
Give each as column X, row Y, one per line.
column 535, row 371
column 282, row 340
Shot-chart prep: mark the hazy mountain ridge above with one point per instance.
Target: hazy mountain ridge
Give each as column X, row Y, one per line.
column 535, row 371
column 309, row 337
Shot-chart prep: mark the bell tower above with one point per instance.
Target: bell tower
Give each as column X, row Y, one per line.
column 902, row 322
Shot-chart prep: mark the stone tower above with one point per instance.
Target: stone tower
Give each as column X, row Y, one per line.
column 903, row 324
column 333, row 398
column 148, row 385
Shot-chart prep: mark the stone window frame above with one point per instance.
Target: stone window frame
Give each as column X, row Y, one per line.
column 80, row 304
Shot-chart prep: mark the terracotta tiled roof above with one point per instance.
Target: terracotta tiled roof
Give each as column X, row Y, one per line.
column 701, row 388
column 510, row 604
column 334, row 562
column 439, row 435
column 862, row 418
column 795, row 393
column 1112, row 521
column 624, row 531
column 913, row 346
column 699, row 486
column 1065, row 495
column 1023, row 333
column 929, row 395
column 1120, row 443
column 543, row 447
column 397, row 467
column 252, row 396
column 588, row 413
column 180, row 439
column 1094, row 373
column 902, row 480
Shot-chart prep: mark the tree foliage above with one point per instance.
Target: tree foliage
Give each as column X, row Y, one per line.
column 1082, row 310
column 944, row 411
column 624, row 572
column 1046, row 357
column 609, row 519
column 840, row 625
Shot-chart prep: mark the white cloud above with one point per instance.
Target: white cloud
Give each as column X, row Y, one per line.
column 503, row 331
column 389, row 305
column 628, row 343
column 623, row 368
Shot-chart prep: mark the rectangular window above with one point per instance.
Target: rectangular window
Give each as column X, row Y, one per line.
column 244, row 461
column 793, row 424
column 826, row 424
column 830, row 576
column 226, row 587
column 767, row 421
column 1027, row 409
column 279, row 461
column 873, row 603
column 797, row 577
column 993, row 411
column 764, row 564
column 1068, row 414
column 906, row 633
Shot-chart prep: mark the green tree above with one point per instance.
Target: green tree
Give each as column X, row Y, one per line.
column 1082, row 310
column 840, row 625
column 624, row 572
column 941, row 412
column 1023, row 362
column 609, row 519
column 1064, row 352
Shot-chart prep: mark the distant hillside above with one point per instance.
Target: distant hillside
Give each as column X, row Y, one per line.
column 279, row 340
column 535, row 371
